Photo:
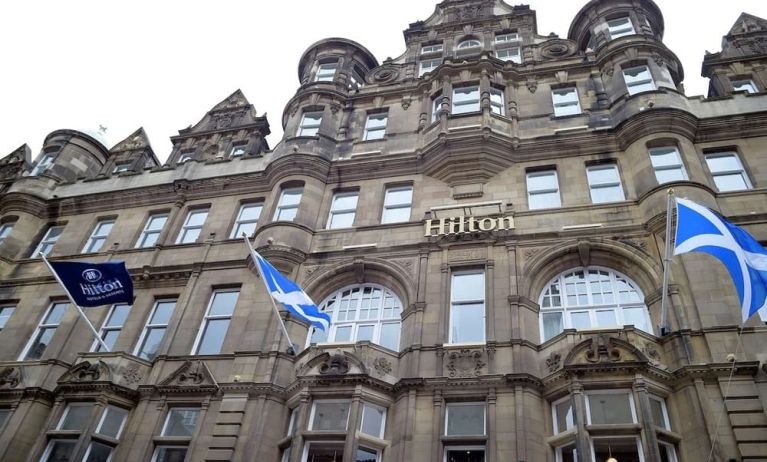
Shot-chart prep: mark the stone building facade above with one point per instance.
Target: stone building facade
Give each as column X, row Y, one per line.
column 483, row 217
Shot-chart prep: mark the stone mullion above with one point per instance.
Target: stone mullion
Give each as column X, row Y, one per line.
column 444, row 110
column 490, row 300
column 437, row 425
column 521, row 425
column 484, row 97
column 444, row 300
column 491, row 430
column 650, row 437
column 578, row 404
column 170, row 224
column 355, row 412
column 301, row 423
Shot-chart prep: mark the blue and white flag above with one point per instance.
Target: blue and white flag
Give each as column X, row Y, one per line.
column 291, row 296
column 701, row 230
column 95, row 284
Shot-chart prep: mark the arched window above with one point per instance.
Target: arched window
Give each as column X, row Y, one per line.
column 361, row 312
column 590, row 298
column 470, row 43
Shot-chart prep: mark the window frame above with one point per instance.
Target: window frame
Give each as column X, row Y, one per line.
column 513, row 54
column 207, row 317
column 43, row 325
column 569, row 419
column 451, row 447
column 308, row 444
column 157, row 448
column 382, row 431
column 562, row 108
column 396, row 206
column 148, row 326
column 749, row 84
column 306, row 128
column 99, row 239
column 666, row 424
column 454, row 304
column 468, row 44
column 322, row 74
column 122, row 167
column 48, row 243
column 428, row 65
column 185, row 157
column 312, row 413
column 186, row 227
column 472, row 103
column 146, row 231
column 51, row 442
column 461, row 404
column 4, row 318
column 436, row 106
column 622, row 391
column 612, row 184
column 497, row 101
column 43, row 164
column 103, row 417
column 508, row 37
column 637, row 438
column 532, row 193
column 332, row 213
column 238, row 221
column 5, row 231
column 377, row 132
column 631, row 86
column 180, row 408
column 65, row 414
column 742, row 171
column 620, row 31
column 679, row 165
column 432, row 49
column 282, row 207
column 105, row 328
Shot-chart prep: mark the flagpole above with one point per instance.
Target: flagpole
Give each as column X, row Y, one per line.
column 71, row 299
column 664, row 327
column 254, row 254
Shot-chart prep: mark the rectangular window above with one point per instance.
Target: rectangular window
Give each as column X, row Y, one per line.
column 169, row 453
column 44, row 332
column 464, row 454
column 467, row 307
column 49, row 240
column 367, row 455
column 543, row 190
column 465, row 419
column 563, row 415
column 727, row 171
column 567, row 453
column 4, row 415
column 329, row 416
column 112, row 422
column 638, row 79
column 431, row 49
column 565, row 102
column 398, row 201
column 181, row 422
column 436, row 105
column 667, row 452
column 659, row 412
column 496, row 101
column 154, row 330
column 151, row 233
column 287, row 207
column 620, row 448
column 98, row 236
column 310, row 124
column 324, row 452
column 465, row 99
column 247, row 220
column 59, row 450
column 342, row 210
column 237, row 150
column 192, row 228
column 98, row 452
column 667, row 164
column 509, row 54
column 373, row 419
column 216, row 322
column 112, row 326
column 326, row 72
column 507, row 38
column 5, row 314
column 744, row 85
column 428, row 65
column 122, row 167
column 75, row 417
column 620, row 27
column 610, row 408
column 42, row 165
column 605, row 184
column 5, row 230
column 375, row 127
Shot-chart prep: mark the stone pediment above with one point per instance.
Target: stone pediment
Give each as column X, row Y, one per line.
column 230, row 114
column 87, row 371
column 602, row 349
column 191, row 374
column 327, row 364
column 136, row 141
column 747, row 23
column 12, row 165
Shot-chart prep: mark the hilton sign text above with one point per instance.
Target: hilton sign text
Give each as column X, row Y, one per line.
column 463, row 224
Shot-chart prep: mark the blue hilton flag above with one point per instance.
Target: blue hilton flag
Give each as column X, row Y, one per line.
column 291, row 296
column 701, row 230
column 95, row 284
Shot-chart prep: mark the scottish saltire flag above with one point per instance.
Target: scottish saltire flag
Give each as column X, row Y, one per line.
column 701, row 230
column 291, row 296
column 94, row 284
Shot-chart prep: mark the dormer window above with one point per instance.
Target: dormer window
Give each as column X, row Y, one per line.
column 431, row 49
column 428, row 65
column 124, row 167
column 185, row 157
column 746, row 85
column 42, row 165
column 507, row 38
column 237, row 150
column 620, row 27
column 509, row 54
column 470, row 43
column 326, row 72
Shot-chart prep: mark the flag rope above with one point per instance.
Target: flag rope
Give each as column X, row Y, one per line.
column 724, row 395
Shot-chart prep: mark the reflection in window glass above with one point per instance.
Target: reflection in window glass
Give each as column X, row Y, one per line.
column 181, row 422
column 610, row 408
column 372, row 420
column 467, row 310
column 59, row 451
column 98, row 452
column 112, row 423
column 330, row 416
column 76, row 417
column 325, row 452
column 563, row 412
column 465, row 419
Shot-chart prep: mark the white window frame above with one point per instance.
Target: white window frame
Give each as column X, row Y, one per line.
column 282, row 207
column 376, row 132
column 468, row 44
column 511, row 37
column 469, row 105
column 471, row 403
column 148, row 326
column 335, row 212
column 569, row 107
column 292, row 422
column 308, row 444
column 666, row 424
column 208, row 317
column 394, row 206
column 307, row 128
column 3, row 309
column 455, row 304
column 5, row 230
column 428, row 65
column 462, row 448
column 640, row 450
column 181, row 238
column 569, row 419
column 609, row 184
column 238, row 150
column 383, row 419
column 43, row 325
column 185, row 408
column 746, row 85
column 90, row 446
column 329, row 401
column 47, row 242
column 513, row 54
column 432, row 49
column 49, row 447
column 741, row 171
column 238, row 222
column 168, row 446
column 624, row 392
column 561, row 447
column 636, row 86
column 531, row 192
column 679, row 165
column 147, row 231
column 97, row 238
column 122, row 423
column 66, row 413
column 672, row 457
column 105, row 329
column 368, row 447
column 324, row 73
column 497, row 101
column 436, row 106
column 42, row 165
column 620, row 30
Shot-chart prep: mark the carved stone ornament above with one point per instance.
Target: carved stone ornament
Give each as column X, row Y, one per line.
column 131, row 375
column 224, row 121
column 602, row 350
column 382, row 366
column 385, row 74
column 465, row 363
column 557, row 48
column 189, row 374
column 651, row 352
column 336, row 364
column 10, row 377
column 532, row 85
column 87, row 372
column 553, row 361
column 406, row 101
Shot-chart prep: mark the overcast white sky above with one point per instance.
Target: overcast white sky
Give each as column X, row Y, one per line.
column 163, row 64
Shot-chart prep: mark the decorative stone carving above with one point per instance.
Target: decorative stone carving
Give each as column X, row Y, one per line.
column 87, row 372
column 530, row 253
column 10, row 377
column 406, row 101
column 406, row 265
column 532, row 84
column 465, row 363
column 336, row 364
column 557, row 48
column 553, row 361
column 658, row 59
column 382, row 366
column 385, row 74
column 467, row 254
column 131, row 375
column 651, row 352
column 602, row 350
column 189, row 374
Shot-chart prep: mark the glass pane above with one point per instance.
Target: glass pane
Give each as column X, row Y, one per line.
column 341, row 220
column 170, row 454
column 291, row 197
column 668, row 175
column 607, row 194
column 56, row 313
column 247, row 228
column 378, row 121
column 468, row 287
column 569, row 454
column 399, row 196
column 390, row 336
column 567, row 95
column 150, row 239
column 250, row 212
column 667, row 453
column 104, row 228
column 636, row 317
column 54, row 233
column 466, row 419
column 223, row 303
column 580, row 320
column 162, row 312
column 638, row 88
column 197, row 218
column 365, row 333
column 564, row 412
column 543, row 180
column 465, row 94
column 189, row 236
column 118, row 316
column 397, row 215
column 544, row 200
column 465, row 455
column 98, row 452
column 606, row 318
column 213, row 337
column 656, row 408
column 468, row 323
column 345, row 202
column 343, row 334
column 181, row 422
column 610, row 408
column 623, row 449
column 732, row 182
column 661, row 157
column 151, row 343
column 330, row 416
column 319, row 336
column 61, row 451
column 41, row 343
column 112, row 422
column 77, row 416
column 552, row 324
column 325, row 452
column 366, row 455
column 372, row 420
column 603, row 175
column 723, row 163
column 109, row 337
column 287, row 214
column 156, row 223
column 636, row 74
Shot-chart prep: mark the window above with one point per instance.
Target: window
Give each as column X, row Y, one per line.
column 507, row 38
column 5, row 314
column 470, row 43
column 4, row 415
column 192, row 228
column 329, row 416
column 591, row 298
column 326, row 72
column 543, row 190
column 75, row 417
column 464, row 454
column 324, row 452
column 237, row 150
column 465, row 419
column 49, row 240
column 342, row 210
column 185, row 157
column 169, row 453
column 562, row 411
column 357, row 78
column 247, row 220
column 112, row 326
column 112, row 422
column 98, row 236
column 567, row 453
column 180, row 423
column 659, row 412
column 638, row 79
column 216, row 322
column 467, row 307
column 667, row 452
column 436, row 105
column 496, row 101
column 373, row 420
column 366, row 455
column 375, row 127
column 465, row 99
column 565, row 102
column 397, row 204
column 124, row 167
column 727, row 171
column 310, row 124
column 287, row 207
column 428, row 65
column 431, row 49
column 361, row 312
column 744, row 85
column 509, row 54
column 42, row 165
column 605, row 184
column 154, row 330
column 610, row 407
column 5, row 230
column 621, row 448
column 44, row 332
column 98, row 452
column 152, row 229
column 667, row 164
column 620, row 27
